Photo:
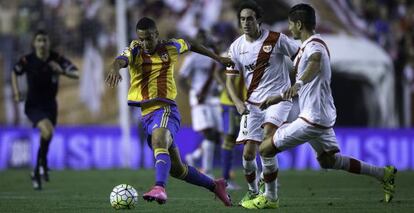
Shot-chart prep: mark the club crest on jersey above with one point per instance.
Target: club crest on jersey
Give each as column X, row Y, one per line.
column 164, row 57
column 267, row 48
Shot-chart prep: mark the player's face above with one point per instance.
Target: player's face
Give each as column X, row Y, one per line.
column 41, row 43
column 294, row 29
column 248, row 21
column 148, row 39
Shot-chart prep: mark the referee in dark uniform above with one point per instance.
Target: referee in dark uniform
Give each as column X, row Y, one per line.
column 43, row 68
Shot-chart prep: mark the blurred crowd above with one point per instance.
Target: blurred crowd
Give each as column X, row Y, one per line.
column 76, row 25
column 390, row 24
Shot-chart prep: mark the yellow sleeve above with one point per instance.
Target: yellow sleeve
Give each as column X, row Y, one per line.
column 128, row 52
column 180, row 44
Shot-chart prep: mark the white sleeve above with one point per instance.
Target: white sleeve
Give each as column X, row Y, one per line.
column 315, row 47
column 287, row 46
column 236, row 70
column 187, row 66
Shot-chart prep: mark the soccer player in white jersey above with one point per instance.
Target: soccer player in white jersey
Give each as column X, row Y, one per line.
column 317, row 114
column 260, row 57
column 204, row 101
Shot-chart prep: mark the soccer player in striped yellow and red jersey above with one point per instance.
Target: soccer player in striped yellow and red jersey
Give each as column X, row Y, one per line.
column 152, row 87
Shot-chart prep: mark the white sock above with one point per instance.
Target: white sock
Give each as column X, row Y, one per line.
column 371, row 170
column 344, row 162
column 270, row 167
column 208, row 155
column 250, row 168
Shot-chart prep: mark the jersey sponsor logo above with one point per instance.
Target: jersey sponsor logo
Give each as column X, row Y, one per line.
column 243, row 52
column 267, row 48
column 251, row 67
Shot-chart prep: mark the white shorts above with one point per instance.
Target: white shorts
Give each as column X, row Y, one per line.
column 206, row 116
column 251, row 125
column 299, row 132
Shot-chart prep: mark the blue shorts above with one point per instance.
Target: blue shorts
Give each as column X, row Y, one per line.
column 231, row 120
column 165, row 117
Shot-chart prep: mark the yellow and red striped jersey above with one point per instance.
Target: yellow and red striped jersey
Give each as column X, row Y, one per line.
column 152, row 84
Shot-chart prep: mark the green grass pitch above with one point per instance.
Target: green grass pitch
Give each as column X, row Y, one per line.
column 300, row 191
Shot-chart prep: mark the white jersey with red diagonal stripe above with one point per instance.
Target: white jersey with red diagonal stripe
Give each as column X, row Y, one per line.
column 263, row 63
column 315, row 98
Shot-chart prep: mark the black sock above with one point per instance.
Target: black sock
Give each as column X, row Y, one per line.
column 42, row 154
column 46, row 143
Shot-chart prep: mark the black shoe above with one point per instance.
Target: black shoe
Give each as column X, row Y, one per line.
column 36, row 182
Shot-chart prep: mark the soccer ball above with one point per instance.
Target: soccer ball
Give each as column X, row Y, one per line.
column 123, row 196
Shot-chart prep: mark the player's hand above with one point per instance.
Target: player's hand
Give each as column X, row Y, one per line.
column 242, row 109
column 226, row 61
column 291, row 92
column 270, row 101
column 56, row 67
column 113, row 78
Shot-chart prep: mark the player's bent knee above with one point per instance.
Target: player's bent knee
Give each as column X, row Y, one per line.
column 160, row 138
column 249, row 156
column 326, row 160
column 46, row 129
column 249, row 151
column 266, row 149
column 46, row 133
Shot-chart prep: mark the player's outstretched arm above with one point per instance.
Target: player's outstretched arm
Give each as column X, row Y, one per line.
column 311, row 70
column 199, row 48
column 113, row 77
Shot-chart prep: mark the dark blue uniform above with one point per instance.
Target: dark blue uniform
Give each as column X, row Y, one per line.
column 43, row 85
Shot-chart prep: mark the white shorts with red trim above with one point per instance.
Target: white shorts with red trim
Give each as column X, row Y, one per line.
column 299, row 131
column 206, row 116
column 251, row 125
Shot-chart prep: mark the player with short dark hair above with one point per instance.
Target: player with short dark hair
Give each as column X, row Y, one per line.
column 317, row 112
column 43, row 68
column 151, row 68
column 258, row 11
